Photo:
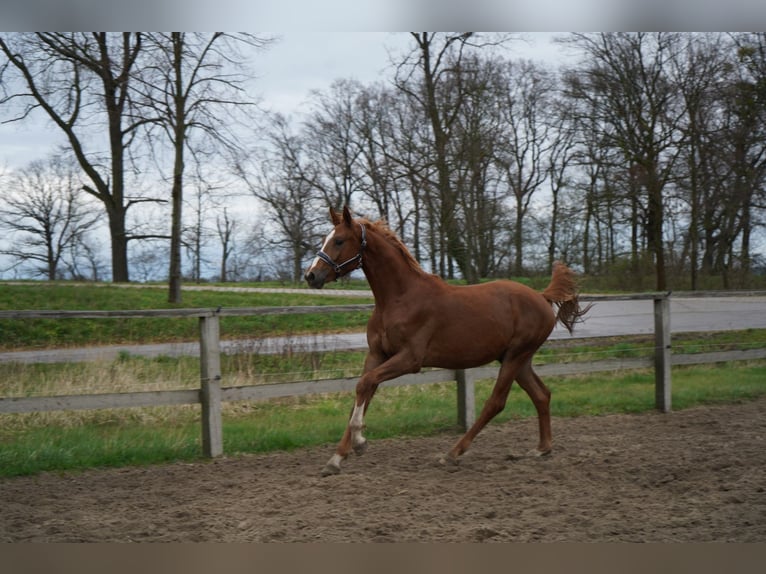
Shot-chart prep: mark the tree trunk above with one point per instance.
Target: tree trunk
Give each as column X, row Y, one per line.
column 654, row 219
column 174, row 282
column 179, row 142
column 119, row 238
column 297, row 267
column 518, row 238
column 554, row 224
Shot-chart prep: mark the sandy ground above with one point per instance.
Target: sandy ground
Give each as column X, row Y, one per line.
column 693, row 475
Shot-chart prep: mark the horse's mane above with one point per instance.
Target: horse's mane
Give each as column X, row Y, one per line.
column 382, row 228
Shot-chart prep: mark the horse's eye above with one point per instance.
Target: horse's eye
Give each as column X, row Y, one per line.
column 339, row 242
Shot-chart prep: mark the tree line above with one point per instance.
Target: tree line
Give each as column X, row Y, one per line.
column 643, row 156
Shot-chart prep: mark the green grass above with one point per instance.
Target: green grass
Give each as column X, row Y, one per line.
column 135, row 437
column 69, row 448
column 43, row 333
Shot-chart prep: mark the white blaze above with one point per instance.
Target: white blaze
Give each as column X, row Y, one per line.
column 325, row 245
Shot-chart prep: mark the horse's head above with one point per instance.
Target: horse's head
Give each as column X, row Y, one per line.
column 341, row 251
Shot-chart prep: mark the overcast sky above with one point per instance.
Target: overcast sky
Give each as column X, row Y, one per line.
column 305, row 61
column 287, row 71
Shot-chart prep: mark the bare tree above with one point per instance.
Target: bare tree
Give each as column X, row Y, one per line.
column 332, row 143
column 408, row 153
column 45, row 215
column 81, row 80
column 196, row 233
column 746, row 127
column 627, row 79
column 352, row 146
column 192, row 83
column 149, row 262
column 421, row 77
column 702, row 71
column 281, row 180
column 226, row 227
column 374, row 130
column 559, row 162
column 523, row 152
column 84, row 261
column 481, row 195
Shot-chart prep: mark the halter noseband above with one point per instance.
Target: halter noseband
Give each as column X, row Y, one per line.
column 338, row 267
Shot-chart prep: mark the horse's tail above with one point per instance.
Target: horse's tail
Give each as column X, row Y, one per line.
column 563, row 292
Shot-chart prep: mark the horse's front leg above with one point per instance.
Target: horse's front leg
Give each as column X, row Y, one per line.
column 353, row 439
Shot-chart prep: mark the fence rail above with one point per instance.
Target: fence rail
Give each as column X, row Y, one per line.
column 211, row 394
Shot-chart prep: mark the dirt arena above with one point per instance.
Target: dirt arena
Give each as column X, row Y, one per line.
column 693, row 475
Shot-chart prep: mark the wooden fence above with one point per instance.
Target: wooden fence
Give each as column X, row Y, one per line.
column 212, row 394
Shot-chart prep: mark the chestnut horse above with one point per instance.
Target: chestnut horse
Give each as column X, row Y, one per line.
column 421, row 321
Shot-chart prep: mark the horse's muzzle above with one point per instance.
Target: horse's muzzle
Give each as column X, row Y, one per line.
column 316, row 280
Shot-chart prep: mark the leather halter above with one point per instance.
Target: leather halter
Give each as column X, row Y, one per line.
column 338, row 267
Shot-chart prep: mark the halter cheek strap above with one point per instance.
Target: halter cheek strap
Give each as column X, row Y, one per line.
column 338, row 267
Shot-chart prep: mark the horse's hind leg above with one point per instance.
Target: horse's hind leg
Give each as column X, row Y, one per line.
column 494, row 405
column 541, row 397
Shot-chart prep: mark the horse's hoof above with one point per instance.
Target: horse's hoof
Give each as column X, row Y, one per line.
column 536, row 453
column 450, row 463
column 330, row 470
column 361, row 448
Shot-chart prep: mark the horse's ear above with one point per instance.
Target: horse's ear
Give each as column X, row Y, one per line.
column 347, row 216
column 335, row 216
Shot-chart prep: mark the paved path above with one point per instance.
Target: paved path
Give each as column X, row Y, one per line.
column 687, row 314
column 606, row 318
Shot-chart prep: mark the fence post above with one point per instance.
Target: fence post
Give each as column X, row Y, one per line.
column 210, row 391
column 466, row 400
column 662, row 383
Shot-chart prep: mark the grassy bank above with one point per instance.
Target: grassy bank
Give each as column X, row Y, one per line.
column 47, row 333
